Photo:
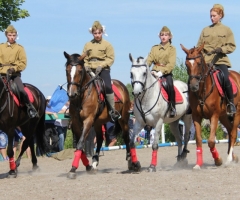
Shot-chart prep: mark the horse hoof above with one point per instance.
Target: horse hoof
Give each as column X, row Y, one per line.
column 235, row 159
column 71, row 175
column 218, row 161
column 90, row 169
column 35, row 168
column 152, row 168
column 181, row 163
column 136, row 166
column 12, row 174
column 196, row 167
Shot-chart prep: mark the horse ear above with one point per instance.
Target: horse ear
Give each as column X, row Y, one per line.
column 184, row 49
column 130, row 57
column 199, row 49
column 66, row 55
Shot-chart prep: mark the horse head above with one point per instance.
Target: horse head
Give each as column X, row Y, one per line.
column 196, row 66
column 139, row 72
column 75, row 73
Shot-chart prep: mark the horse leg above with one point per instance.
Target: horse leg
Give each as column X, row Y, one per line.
column 99, row 136
column 232, row 137
column 197, row 123
column 135, row 164
column 152, row 167
column 211, row 141
column 13, row 167
column 187, row 119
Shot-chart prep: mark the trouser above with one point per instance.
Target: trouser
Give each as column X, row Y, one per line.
column 226, row 83
column 170, row 88
column 62, row 133
column 23, row 94
column 105, row 75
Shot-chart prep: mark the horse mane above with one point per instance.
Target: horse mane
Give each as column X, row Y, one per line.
column 138, row 59
column 74, row 58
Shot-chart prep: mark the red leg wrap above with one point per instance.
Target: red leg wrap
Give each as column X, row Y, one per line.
column 133, row 155
column 199, row 156
column 12, row 164
column 77, row 156
column 84, row 159
column 154, row 158
column 214, row 153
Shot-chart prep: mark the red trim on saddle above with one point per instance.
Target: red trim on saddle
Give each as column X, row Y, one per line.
column 12, row 164
column 29, row 93
column 154, row 158
column 178, row 96
column 199, row 156
column 117, row 94
column 77, row 156
column 133, row 155
column 214, row 152
column 219, row 87
column 84, row 159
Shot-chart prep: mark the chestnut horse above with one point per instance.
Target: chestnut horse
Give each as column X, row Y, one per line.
column 206, row 102
column 87, row 110
column 13, row 113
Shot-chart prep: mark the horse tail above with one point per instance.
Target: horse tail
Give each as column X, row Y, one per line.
column 40, row 135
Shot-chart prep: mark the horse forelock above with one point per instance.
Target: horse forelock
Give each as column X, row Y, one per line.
column 74, row 59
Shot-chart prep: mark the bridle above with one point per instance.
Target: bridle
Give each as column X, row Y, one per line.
column 143, row 114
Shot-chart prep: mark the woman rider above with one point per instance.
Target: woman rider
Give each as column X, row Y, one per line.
column 163, row 58
column 218, row 39
column 100, row 54
column 13, row 61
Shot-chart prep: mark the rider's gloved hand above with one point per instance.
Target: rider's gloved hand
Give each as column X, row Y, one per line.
column 218, row 50
column 11, row 71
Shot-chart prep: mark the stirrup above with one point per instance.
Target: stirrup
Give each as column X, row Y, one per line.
column 115, row 115
column 231, row 109
column 31, row 111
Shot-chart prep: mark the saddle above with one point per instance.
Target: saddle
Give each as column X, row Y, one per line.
column 15, row 93
column 163, row 90
column 218, row 78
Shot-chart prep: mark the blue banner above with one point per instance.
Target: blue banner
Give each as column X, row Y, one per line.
column 58, row 100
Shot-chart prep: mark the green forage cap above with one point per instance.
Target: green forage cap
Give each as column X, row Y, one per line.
column 166, row 30
column 97, row 25
column 218, row 6
column 10, row 29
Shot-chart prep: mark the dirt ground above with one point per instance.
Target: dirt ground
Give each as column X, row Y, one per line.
column 114, row 181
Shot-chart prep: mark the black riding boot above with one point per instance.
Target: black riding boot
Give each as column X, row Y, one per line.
column 172, row 103
column 231, row 109
column 30, row 108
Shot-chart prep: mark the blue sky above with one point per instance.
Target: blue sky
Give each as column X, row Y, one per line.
column 132, row 26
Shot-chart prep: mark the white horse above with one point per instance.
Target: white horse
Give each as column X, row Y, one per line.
column 150, row 108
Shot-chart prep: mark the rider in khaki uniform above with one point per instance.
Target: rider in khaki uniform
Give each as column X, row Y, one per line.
column 13, row 61
column 163, row 58
column 100, row 56
column 218, row 39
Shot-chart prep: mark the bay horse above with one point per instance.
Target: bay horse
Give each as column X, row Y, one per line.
column 151, row 108
column 87, row 109
column 207, row 102
column 13, row 113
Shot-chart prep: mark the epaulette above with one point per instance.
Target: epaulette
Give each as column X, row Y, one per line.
column 20, row 45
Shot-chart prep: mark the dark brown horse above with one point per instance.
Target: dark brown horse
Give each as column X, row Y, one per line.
column 87, row 110
column 206, row 102
column 13, row 114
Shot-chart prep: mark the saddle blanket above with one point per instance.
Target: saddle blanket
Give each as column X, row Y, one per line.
column 29, row 93
column 178, row 96
column 117, row 94
column 219, row 87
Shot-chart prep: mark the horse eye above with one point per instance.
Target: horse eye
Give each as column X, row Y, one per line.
column 131, row 75
column 144, row 74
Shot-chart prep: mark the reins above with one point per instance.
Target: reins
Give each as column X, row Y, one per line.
column 142, row 113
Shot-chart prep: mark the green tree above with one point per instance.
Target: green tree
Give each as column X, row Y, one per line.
column 10, row 11
column 180, row 71
column 129, row 88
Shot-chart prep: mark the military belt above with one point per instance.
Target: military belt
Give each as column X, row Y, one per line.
column 2, row 65
column 160, row 64
column 95, row 60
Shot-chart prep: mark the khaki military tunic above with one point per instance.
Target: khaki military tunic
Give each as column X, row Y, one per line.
column 217, row 35
column 163, row 58
column 13, row 54
column 100, row 54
